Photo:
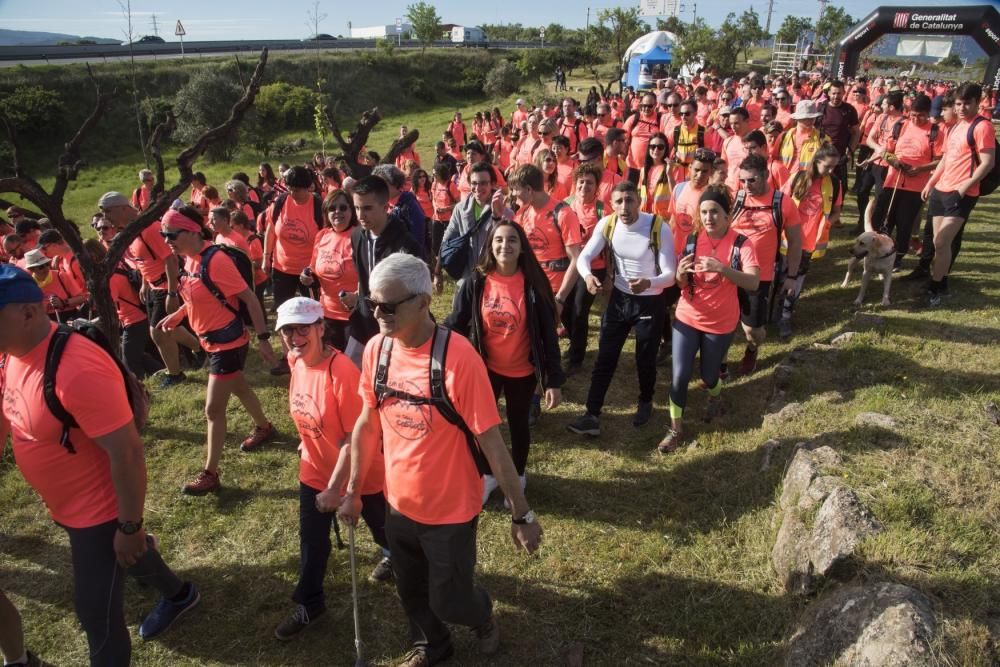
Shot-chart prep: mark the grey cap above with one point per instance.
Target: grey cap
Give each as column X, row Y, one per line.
column 111, row 199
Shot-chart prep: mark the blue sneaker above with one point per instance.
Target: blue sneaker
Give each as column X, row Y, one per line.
column 165, row 613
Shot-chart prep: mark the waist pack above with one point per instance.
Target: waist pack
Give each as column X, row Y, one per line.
column 227, row 334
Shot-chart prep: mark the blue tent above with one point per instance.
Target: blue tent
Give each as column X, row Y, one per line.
column 655, row 48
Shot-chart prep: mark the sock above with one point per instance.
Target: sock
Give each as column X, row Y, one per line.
column 23, row 660
column 183, row 594
column 944, row 284
column 716, row 390
column 676, row 411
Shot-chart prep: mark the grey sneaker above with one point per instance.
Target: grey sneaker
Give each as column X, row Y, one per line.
column 297, row 622
column 585, row 424
column 488, row 635
column 383, row 571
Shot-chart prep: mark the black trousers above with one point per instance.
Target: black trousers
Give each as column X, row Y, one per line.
column 284, row 286
column 98, row 590
column 579, row 317
column 624, row 313
column 336, row 332
column 315, row 544
column 518, row 392
column 897, row 220
column 135, row 339
column 434, row 566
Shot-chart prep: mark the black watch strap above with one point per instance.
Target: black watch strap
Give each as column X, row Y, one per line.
column 130, row 527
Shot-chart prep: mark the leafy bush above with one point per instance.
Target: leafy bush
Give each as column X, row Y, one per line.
column 473, row 76
column 502, row 80
column 423, row 91
column 154, row 111
column 204, row 102
column 952, row 60
column 278, row 107
column 33, row 109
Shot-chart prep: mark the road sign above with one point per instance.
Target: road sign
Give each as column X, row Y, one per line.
column 541, row 31
column 399, row 25
column 179, row 30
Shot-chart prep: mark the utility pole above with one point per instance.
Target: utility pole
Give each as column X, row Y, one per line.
column 695, row 20
column 156, row 29
column 822, row 8
column 770, row 8
column 586, row 35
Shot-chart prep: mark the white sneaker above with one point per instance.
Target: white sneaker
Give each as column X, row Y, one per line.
column 489, row 486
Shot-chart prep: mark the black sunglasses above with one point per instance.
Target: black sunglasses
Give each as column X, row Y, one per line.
column 171, row 236
column 387, row 308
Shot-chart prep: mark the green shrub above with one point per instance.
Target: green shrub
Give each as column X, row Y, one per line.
column 278, row 107
column 502, row 80
column 203, row 103
column 33, row 109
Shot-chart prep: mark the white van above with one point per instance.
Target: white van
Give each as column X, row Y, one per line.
column 462, row 36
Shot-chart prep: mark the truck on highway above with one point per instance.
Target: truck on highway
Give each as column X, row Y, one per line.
column 463, row 36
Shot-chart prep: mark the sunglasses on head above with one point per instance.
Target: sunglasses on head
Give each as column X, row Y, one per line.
column 387, row 308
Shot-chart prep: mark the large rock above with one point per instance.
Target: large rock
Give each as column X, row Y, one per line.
column 809, row 548
column 878, row 625
column 875, row 419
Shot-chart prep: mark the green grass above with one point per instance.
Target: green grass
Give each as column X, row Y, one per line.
column 647, row 560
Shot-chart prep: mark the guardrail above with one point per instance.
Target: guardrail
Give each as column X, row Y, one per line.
column 50, row 53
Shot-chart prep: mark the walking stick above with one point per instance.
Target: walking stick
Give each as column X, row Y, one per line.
column 359, row 661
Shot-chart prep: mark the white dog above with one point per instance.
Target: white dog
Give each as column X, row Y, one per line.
column 876, row 253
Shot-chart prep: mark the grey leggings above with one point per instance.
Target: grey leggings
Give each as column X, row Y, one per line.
column 687, row 342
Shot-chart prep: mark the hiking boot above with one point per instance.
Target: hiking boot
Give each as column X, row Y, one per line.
column 281, row 368
column 383, row 571
column 749, row 362
column 419, row 657
column 585, row 424
column 259, row 436
column 713, row 409
column 488, row 635
column 534, row 412
column 204, row 482
column 919, row 273
column 642, row 413
column 897, row 265
column 166, row 612
column 297, row 622
column 489, row 486
column 785, row 328
column 671, row 441
column 170, row 380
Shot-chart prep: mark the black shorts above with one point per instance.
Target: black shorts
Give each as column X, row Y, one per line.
column 754, row 306
column 950, row 205
column 227, row 362
column 156, row 306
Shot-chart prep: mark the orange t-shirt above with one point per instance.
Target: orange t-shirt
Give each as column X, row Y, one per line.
column 505, row 326
column 61, row 285
column 588, row 216
column 430, row 476
column 753, row 108
column 756, row 222
column 546, row 241
column 127, row 304
column 234, row 239
column 811, row 215
column 255, row 249
column 70, row 265
column 204, row 312
column 640, row 129
column 295, row 231
column 333, row 265
column 324, row 404
column 914, row 148
column 444, row 196
column 424, row 199
column 958, row 163
column 684, row 213
column 734, row 153
column 76, row 488
column 148, row 252
column 715, row 307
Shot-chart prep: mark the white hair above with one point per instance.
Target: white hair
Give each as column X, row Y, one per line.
column 144, row 174
column 410, row 271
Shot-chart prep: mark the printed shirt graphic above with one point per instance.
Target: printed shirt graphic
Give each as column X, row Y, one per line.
column 430, row 476
column 333, row 265
column 545, row 239
column 505, row 331
column 76, row 488
column 296, row 230
column 323, row 402
column 714, row 307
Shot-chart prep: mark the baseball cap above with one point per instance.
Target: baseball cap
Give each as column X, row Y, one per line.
column 299, row 310
column 519, row 101
column 18, row 286
column 111, row 199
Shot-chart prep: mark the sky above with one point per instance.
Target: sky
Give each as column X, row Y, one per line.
column 257, row 19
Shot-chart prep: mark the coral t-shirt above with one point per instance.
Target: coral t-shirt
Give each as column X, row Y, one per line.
column 914, row 148
column 333, row 265
column 444, row 196
column 589, row 215
column 76, row 488
column 324, row 403
column 255, row 249
column 127, row 304
column 640, row 128
column 430, row 476
column 684, row 213
column 60, row 285
column 756, row 222
column 958, row 163
column 505, row 326
column 548, row 242
column 295, row 230
column 204, row 312
column 234, row 239
column 715, row 306
column 734, row 153
column 811, row 216
column 148, row 252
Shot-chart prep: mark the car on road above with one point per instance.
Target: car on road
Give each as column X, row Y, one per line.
column 320, row 37
column 147, row 39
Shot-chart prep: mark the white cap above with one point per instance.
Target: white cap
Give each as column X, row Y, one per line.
column 299, row 310
column 34, row 258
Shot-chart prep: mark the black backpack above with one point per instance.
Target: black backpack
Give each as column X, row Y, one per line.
column 138, row 396
column 739, row 205
column 897, row 129
column 279, row 203
column 243, row 265
column 991, row 180
column 439, row 395
column 735, row 260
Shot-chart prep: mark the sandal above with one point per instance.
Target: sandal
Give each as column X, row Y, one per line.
column 671, row 441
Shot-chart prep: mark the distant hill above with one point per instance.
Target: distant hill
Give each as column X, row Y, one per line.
column 26, row 37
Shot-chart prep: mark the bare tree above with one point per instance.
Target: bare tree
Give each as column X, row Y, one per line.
column 314, row 18
column 126, row 7
column 356, row 140
column 98, row 274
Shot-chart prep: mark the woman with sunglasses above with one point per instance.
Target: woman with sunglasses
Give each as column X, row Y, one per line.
column 508, row 312
column 222, row 334
column 655, row 183
column 716, row 261
column 332, row 265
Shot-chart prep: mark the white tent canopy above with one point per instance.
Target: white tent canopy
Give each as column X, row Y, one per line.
column 665, row 40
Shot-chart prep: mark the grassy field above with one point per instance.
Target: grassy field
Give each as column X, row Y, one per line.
column 647, row 559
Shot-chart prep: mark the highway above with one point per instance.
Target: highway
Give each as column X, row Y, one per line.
column 11, row 56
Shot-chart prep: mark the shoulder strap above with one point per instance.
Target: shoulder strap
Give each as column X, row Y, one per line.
column 700, row 140
column 57, row 345
column 654, row 240
column 206, row 256
column 318, row 210
column 970, row 138
column 599, row 206
column 776, row 200
column 555, row 216
column 609, row 228
column 736, row 261
column 932, row 137
column 677, row 136
column 739, row 202
column 382, row 370
column 897, row 129
column 279, row 203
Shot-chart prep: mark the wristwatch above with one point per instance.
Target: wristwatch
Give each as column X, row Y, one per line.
column 264, row 336
column 529, row 517
column 130, row 527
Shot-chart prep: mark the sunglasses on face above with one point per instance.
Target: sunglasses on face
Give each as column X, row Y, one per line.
column 171, row 236
column 386, row 308
column 657, row 147
column 104, row 228
column 670, row 106
column 687, row 113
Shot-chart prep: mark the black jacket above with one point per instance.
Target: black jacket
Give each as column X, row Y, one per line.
column 466, row 319
column 395, row 237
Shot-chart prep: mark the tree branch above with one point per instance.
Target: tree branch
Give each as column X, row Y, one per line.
column 70, row 161
column 400, row 145
column 15, row 146
column 331, row 121
column 358, row 139
column 163, row 130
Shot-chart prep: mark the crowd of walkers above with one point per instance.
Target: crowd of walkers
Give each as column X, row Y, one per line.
column 694, row 211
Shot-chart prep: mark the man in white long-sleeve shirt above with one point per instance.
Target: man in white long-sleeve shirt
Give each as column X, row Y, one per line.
column 641, row 263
